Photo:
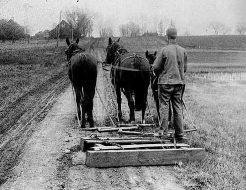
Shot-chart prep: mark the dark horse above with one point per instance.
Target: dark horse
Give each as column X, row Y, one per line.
column 82, row 71
column 154, row 79
column 130, row 73
column 154, row 84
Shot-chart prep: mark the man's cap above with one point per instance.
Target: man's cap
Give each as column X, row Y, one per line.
column 171, row 32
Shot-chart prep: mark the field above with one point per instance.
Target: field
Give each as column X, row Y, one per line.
column 215, row 99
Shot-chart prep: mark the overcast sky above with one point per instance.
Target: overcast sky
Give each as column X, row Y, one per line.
column 188, row 15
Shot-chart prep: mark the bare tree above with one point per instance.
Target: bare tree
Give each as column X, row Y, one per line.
column 241, row 28
column 124, row 31
column 172, row 24
column 161, row 28
column 134, row 29
column 187, row 33
column 106, row 32
column 219, row 28
column 130, row 29
column 80, row 21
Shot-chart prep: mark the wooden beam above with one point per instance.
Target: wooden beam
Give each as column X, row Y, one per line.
column 151, row 157
column 110, row 129
column 149, row 134
column 115, row 129
column 87, row 143
column 137, row 146
column 137, row 133
column 138, row 125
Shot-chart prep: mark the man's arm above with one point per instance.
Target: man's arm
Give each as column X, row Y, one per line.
column 185, row 61
column 157, row 65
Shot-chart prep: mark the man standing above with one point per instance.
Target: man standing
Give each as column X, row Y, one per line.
column 171, row 63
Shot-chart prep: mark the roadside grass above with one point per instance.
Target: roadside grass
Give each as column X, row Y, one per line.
column 216, row 102
column 231, row 42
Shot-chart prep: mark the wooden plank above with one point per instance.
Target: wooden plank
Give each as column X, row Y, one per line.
column 152, row 157
column 137, row 146
column 138, row 125
column 86, row 143
column 138, row 133
column 150, row 134
column 115, row 129
column 110, row 129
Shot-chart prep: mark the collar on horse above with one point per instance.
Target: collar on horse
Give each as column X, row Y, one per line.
column 119, row 51
column 74, row 53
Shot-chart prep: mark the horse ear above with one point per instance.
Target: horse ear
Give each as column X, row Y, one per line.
column 118, row 40
column 147, row 53
column 110, row 40
column 77, row 41
column 68, row 42
column 155, row 53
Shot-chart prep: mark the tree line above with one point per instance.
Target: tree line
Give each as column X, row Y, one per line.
column 11, row 30
column 79, row 23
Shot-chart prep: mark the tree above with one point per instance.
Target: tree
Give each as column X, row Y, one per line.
column 219, row 28
column 124, row 30
column 106, row 32
column 3, row 24
column 11, row 30
column 130, row 29
column 241, row 28
column 134, row 29
column 187, row 33
column 161, row 28
column 80, row 22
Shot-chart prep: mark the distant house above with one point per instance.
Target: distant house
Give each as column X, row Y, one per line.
column 65, row 30
column 150, row 34
column 42, row 34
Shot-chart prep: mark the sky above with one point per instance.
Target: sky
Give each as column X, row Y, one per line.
column 192, row 16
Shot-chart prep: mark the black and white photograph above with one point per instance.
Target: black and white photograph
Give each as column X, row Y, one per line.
column 122, row 95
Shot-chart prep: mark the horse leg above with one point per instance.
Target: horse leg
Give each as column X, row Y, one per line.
column 130, row 100
column 143, row 113
column 89, row 113
column 78, row 103
column 155, row 93
column 118, row 94
column 82, row 106
column 144, row 108
column 90, row 109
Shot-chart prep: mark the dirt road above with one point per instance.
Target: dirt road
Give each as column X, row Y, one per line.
column 51, row 158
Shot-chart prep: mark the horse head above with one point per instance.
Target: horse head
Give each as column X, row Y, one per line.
column 111, row 50
column 150, row 56
column 72, row 48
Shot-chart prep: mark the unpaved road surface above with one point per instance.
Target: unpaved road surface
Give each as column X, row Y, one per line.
column 51, row 158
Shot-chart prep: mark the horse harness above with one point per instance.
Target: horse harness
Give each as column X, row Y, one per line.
column 116, row 66
column 80, row 51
